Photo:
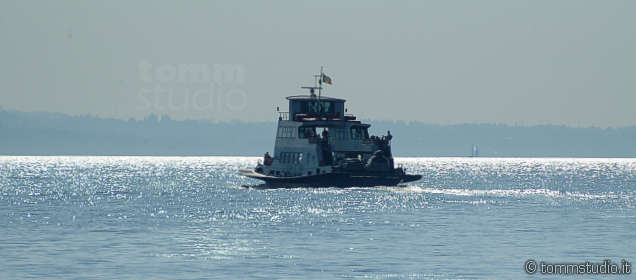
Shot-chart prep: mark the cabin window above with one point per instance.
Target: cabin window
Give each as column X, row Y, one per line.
column 289, row 157
column 359, row 133
column 317, row 107
column 286, row 132
column 355, row 132
column 306, row 132
column 336, row 134
column 326, row 107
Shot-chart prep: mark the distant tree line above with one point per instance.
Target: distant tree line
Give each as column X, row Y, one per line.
column 23, row 133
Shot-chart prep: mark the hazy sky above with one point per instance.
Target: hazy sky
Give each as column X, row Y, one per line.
column 514, row 62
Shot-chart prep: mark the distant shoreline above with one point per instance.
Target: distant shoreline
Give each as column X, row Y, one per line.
column 54, row 134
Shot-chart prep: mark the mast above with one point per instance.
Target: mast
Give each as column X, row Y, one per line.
column 319, row 92
column 320, row 89
column 318, row 85
column 317, row 81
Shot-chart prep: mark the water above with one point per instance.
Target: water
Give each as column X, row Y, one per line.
column 188, row 218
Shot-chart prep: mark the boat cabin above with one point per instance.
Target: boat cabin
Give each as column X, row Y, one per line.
column 310, row 107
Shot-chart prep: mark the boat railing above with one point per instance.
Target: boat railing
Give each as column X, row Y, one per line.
column 283, row 116
column 349, row 117
column 312, row 116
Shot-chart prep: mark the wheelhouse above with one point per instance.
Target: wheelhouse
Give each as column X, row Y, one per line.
column 310, row 106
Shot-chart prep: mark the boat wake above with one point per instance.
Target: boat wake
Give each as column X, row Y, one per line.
column 539, row 192
column 495, row 193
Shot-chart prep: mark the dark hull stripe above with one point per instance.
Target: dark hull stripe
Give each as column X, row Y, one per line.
column 336, row 180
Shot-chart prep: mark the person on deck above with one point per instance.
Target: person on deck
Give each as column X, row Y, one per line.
column 267, row 159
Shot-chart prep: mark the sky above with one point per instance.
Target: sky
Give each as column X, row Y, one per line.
column 439, row 62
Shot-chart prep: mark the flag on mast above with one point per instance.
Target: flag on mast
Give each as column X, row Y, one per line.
column 325, row 79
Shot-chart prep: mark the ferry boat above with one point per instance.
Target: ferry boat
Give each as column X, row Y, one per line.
column 319, row 145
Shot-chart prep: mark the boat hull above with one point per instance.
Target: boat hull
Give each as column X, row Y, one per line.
column 341, row 180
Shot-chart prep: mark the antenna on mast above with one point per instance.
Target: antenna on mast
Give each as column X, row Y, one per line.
column 320, row 91
column 318, row 80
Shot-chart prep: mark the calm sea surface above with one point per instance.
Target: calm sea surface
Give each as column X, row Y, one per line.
column 189, row 218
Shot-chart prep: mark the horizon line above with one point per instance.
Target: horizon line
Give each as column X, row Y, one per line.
column 161, row 117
